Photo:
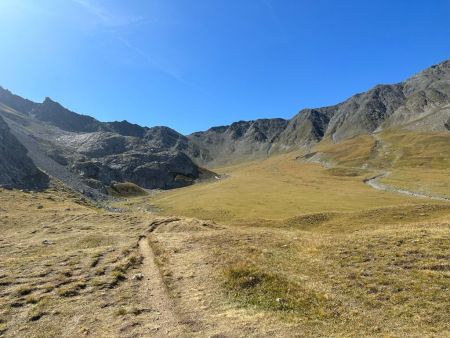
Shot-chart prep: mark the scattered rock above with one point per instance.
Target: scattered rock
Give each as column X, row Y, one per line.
column 138, row 276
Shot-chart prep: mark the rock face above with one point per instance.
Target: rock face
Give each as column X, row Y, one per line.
column 420, row 103
column 15, row 102
column 164, row 170
column 17, row 170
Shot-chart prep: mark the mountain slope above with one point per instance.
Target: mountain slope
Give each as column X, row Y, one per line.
column 90, row 155
column 421, row 103
column 240, row 140
column 17, row 170
column 394, row 106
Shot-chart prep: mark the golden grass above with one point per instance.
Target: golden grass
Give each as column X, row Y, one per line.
column 382, row 275
column 59, row 256
column 423, row 180
column 419, row 150
column 315, row 250
column 276, row 188
column 353, row 152
column 388, row 280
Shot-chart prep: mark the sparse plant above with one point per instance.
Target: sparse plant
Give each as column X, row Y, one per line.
column 120, row 312
column 24, row 290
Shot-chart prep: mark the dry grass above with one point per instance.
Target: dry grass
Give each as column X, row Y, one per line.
column 314, row 250
column 65, row 266
column 275, row 188
column 366, row 279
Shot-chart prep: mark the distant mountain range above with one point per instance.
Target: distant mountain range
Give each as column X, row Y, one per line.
column 89, row 155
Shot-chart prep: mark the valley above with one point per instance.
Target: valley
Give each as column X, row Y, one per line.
column 333, row 223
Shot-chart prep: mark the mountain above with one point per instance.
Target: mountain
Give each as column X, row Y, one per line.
column 421, row 103
column 240, row 140
column 90, row 155
column 17, row 170
column 52, row 112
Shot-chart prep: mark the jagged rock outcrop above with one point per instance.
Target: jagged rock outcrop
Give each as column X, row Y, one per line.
column 15, row 102
column 306, row 127
column 364, row 113
column 421, row 103
column 17, row 170
column 164, row 170
column 427, row 101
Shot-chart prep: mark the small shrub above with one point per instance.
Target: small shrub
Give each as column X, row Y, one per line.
column 71, row 290
column 31, row 300
column 3, row 328
column 36, row 315
column 118, row 275
column 95, row 260
column 100, row 271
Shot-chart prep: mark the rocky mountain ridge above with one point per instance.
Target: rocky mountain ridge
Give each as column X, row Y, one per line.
column 92, row 154
column 421, row 103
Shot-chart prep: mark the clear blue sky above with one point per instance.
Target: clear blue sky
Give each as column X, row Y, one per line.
column 193, row 64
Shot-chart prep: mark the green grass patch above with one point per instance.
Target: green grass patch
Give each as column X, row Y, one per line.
column 126, row 189
column 251, row 286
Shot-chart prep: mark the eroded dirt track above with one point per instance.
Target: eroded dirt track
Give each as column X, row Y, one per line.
column 153, row 292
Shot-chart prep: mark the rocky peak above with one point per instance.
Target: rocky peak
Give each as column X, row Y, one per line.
column 126, row 128
column 165, row 138
column 55, row 114
column 16, row 102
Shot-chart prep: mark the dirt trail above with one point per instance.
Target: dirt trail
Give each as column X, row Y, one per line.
column 154, row 292
column 374, row 183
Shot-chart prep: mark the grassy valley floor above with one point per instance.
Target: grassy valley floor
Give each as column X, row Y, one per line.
column 290, row 246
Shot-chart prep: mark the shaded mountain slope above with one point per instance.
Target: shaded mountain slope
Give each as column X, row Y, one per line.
column 89, row 155
column 17, row 170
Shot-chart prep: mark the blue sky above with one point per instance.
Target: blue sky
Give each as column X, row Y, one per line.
column 193, row 64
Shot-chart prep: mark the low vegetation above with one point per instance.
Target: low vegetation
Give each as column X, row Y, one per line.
column 64, row 260
column 126, row 190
